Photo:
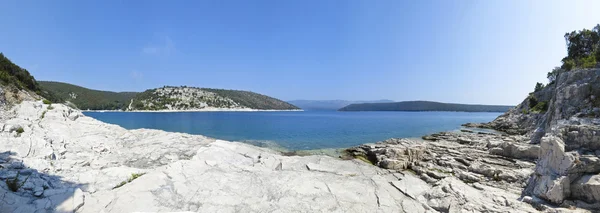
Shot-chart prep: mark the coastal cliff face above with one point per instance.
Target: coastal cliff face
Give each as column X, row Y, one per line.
column 569, row 133
column 568, row 130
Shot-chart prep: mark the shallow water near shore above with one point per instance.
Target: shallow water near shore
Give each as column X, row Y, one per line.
column 300, row 130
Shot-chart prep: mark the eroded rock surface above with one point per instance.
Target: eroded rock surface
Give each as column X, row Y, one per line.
column 568, row 133
column 55, row 159
column 461, row 169
column 67, row 162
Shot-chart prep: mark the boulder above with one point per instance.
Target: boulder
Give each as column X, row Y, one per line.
column 516, row 150
column 587, row 188
column 397, row 154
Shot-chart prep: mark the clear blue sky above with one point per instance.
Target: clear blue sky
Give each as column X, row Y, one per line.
column 489, row 52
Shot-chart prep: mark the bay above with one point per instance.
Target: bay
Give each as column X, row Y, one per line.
column 298, row 130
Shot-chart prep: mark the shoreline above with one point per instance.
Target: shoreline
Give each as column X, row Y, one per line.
column 204, row 110
column 96, row 166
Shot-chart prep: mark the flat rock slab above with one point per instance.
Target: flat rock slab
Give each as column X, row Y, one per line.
column 411, row 186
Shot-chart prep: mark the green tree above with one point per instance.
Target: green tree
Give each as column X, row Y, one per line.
column 538, row 86
column 554, row 74
column 583, row 48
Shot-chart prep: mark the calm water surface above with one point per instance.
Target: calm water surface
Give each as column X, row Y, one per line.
column 298, row 130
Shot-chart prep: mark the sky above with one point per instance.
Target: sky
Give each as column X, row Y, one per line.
column 469, row 51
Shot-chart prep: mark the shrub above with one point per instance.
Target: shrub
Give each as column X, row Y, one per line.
column 46, row 101
column 532, row 101
column 133, row 177
column 568, row 64
column 589, row 62
column 14, row 184
column 553, row 74
column 582, row 48
column 43, row 115
column 50, row 107
column 540, row 107
column 538, row 86
column 20, row 130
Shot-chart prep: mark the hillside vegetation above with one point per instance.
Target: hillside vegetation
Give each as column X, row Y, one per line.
column 583, row 49
column 424, row 106
column 13, row 75
column 252, row 100
column 192, row 98
column 329, row 104
column 84, row 98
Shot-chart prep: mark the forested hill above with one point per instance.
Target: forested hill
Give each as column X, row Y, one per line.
column 164, row 98
column 329, row 104
column 84, row 98
column 252, row 100
column 424, row 106
column 13, row 75
column 192, row 98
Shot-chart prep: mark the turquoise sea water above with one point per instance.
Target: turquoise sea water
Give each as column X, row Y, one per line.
column 298, row 130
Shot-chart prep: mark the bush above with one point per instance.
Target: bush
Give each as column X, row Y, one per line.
column 582, row 48
column 540, row 107
column 43, row 115
column 568, row 64
column 133, row 177
column 12, row 74
column 47, row 101
column 538, row 86
column 589, row 62
column 14, row 184
column 553, row 74
column 20, row 130
column 50, row 107
column 532, row 101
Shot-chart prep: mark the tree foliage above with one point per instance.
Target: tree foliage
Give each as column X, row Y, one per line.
column 11, row 74
column 424, row 106
column 252, row 100
column 553, row 74
column 583, row 51
column 85, row 98
column 583, row 48
column 194, row 98
column 538, row 86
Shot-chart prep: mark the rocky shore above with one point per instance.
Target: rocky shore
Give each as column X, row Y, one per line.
column 63, row 161
column 549, row 155
column 55, row 159
column 207, row 109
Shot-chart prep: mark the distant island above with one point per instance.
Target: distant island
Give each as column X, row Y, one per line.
column 166, row 98
column 425, row 106
column 330, row 104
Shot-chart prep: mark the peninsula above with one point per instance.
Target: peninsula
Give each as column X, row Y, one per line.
column 167, row 98
column 424, row 106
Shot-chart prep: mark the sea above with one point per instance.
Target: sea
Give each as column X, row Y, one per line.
column 298, row 130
